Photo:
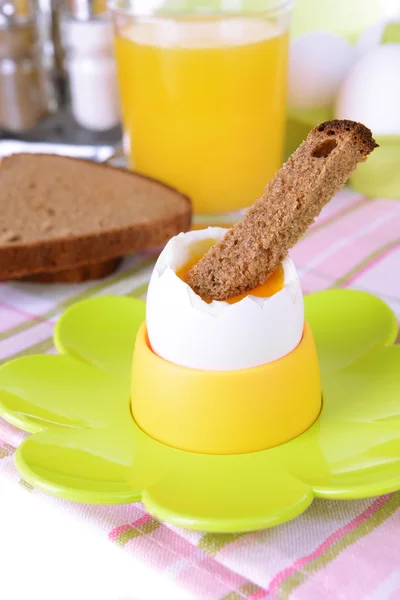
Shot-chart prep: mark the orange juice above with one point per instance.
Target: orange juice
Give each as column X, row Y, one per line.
column 203, row 105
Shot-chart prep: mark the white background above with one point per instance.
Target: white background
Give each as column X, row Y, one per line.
column 46, row 554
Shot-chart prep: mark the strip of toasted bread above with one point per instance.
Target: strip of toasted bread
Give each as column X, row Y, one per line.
column 59, row 214
column 252, row 249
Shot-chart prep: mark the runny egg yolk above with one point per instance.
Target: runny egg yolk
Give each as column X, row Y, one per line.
column 273, row 284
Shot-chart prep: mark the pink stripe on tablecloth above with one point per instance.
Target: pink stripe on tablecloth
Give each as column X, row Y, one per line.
column 163, row 557
column 9, row 318
column 347, row 226
column 344, row 259
column 349, row 571
column 212, row 579
column 118, row 530
column 322, row 548
column 313, row 282
column 290, row 541
column 27, row 316
column 113, row 535
column 341, row 205
column 348, row 241
column 184, row 562
column 260, row 595
column 24, row 340
column 341, row 258
column 171, row 549
column 381, row 272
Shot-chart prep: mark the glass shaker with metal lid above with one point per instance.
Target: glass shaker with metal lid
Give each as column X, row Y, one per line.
column 48, row 20
column 24, row 96
column 88, row 37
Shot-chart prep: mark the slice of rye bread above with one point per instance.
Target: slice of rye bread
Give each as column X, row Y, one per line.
column 253, row 248
column 97, row 270
column 58, row 214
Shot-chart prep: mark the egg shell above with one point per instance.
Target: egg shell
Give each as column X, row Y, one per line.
column 371, row 91
column 185, row 330
column 318, row 62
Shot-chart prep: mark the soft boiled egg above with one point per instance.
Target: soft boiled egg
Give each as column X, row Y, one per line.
column 248, row 331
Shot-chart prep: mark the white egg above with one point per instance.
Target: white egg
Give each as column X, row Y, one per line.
column 318, row 63
column 371, row 91
column 185, row 330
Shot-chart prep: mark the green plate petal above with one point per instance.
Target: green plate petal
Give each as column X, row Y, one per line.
column 354, row 448
column 348, row 324
column 42, row 391
column 83, row 465
column 90, row 449
column 227, row 493
column 200, row 492
column 102, row 331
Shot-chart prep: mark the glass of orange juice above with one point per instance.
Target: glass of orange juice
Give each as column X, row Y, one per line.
column 203, row 94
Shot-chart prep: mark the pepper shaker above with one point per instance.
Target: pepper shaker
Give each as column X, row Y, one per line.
column 88, row 38
column 24, row 95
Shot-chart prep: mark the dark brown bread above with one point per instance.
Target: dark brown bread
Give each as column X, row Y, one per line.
column 97, row 270
column 58, row 214
column 252, row 249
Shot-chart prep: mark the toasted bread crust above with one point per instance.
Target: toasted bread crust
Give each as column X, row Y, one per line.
column 58, row 255
column 98, row 270
column 252, row 249
column 66, row 252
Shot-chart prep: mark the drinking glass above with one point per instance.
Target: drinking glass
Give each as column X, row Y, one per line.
column 203, row 94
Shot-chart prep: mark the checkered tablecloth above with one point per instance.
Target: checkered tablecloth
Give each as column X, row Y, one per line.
column 337, row 549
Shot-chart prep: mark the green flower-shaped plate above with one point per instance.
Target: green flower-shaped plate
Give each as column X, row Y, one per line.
column 86, row 446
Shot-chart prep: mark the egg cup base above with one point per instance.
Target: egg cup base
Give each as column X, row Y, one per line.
column 87, row 448
column 226, row 412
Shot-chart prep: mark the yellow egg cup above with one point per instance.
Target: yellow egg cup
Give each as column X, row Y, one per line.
column 226, row 412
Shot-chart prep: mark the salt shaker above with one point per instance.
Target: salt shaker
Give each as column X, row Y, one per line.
column 88, row 38
column 24, row 94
